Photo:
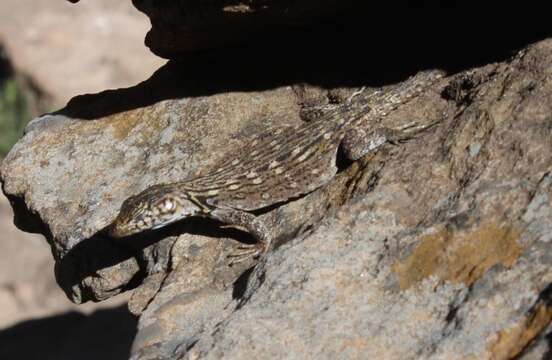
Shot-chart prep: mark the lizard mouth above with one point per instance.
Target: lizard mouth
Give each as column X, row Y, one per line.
column 117, row 232
column 122, row 227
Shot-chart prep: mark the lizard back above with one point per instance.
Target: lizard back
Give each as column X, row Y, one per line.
column 288, row 161
column 279, row 164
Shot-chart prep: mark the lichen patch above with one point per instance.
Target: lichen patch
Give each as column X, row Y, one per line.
column 458, row 256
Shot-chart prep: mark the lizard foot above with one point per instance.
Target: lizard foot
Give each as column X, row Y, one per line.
column 406, row 132
column 245, row 252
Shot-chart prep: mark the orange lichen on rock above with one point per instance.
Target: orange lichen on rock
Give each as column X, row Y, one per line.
column 459, row 256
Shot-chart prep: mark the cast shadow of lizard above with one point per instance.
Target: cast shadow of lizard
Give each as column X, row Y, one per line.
column 100, row 252
column 346, row 54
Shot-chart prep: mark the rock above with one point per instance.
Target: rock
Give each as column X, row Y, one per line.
column 180, row 28
column 183, row 26
column 437, row 248
column 28, row 287
column 118, row 155
column 64, row 50
column 446, row 257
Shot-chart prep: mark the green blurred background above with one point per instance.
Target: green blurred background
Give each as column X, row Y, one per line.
column 14, row 113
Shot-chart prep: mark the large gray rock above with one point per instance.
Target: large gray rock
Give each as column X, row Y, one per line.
column 447, row 256
column 93, row 165
column 438, row 248
column 28, row 289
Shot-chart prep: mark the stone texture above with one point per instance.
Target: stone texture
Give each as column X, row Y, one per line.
column 446, row 257
column 27, row 284
column 108, row 149
column 33, row 306
column 435, row 249
column 63, row 50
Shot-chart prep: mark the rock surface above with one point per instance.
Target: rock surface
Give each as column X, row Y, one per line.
column 438, row 248
column 446, row 257
column 27, row 285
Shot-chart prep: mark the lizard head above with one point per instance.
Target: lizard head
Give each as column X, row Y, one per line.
column 153, row 208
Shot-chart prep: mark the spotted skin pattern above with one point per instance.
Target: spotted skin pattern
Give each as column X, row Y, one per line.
column 279, row 164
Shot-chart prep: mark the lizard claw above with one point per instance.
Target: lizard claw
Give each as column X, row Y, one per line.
column 410, row 125
column 358, row 92
column 406, row 132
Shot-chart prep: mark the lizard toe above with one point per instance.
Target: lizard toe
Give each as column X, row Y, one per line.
column 245, row 252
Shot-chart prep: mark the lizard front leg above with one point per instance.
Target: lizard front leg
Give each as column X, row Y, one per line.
column 358, row 142
column 252, row 224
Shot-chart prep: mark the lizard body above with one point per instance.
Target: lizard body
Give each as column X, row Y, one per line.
column 279, row 164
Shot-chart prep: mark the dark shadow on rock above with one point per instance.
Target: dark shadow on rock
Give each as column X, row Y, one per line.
column 377, row 46
column 240, row 285
column 85, row 259
column 104, row 334
column 100, row 251
column 548, row 354
column 25, row 219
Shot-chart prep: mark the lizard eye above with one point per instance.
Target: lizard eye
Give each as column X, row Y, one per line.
column 167, row 205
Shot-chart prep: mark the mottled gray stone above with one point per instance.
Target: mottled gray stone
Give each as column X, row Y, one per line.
column 434, row 249
column 441, row 252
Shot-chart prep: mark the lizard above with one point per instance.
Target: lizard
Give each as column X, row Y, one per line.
column 281, row 163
